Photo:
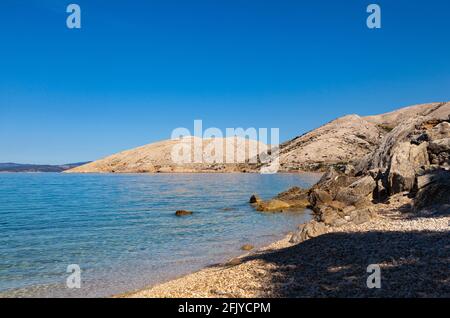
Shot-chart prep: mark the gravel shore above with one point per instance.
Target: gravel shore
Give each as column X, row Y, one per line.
column 413, row 254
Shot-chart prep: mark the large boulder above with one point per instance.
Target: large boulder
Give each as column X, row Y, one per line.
column 440, row 145
column 319, row 197
column 308, row 230
column 326, row 189
column 440, row 131
column 361, row 216
column 330, row 216
column 439, row 151
column 338, row 193
column 407, row 159
column 433, row 191
column 359, row 193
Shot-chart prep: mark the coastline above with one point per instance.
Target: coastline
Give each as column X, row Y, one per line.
column 211, row 269
column 409, row 250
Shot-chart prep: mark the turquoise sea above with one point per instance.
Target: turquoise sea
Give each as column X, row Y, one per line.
column 122, row 230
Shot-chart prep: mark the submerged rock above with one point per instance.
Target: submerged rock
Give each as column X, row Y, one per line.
column 247, row 247
column 234, row 262
column 183, row 212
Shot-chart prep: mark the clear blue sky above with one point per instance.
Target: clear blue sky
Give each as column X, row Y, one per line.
column 138, row 69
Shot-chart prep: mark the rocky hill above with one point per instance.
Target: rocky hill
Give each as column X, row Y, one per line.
column 157, row 157
column 344, row 140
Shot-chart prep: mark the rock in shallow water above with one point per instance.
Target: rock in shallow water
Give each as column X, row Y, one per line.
column 254, row 199
column 296, row 197
column 183, row 212
column 272, row 206
column 247, row 247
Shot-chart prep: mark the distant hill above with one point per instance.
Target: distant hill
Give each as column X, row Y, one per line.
column 18, row 167
column 157, row 157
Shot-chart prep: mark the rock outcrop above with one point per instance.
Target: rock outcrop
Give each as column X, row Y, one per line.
column 272, row 206
column 412, row 160
column 294, row 198
column 408, row 148
column 433, row 192
column 346, row 140
column 308, row 230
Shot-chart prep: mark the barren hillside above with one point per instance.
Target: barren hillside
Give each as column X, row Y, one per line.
column 345, row 140
column 157, row 157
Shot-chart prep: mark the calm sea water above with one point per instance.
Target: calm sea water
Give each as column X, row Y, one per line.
column 121, row 229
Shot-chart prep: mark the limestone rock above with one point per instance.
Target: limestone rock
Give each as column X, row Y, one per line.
column 332, row 182
column 295, row 197
column 363, row 186
column 350, row 197
column 272, row 206
column 405, row 162
column 345, row 139
column 440, row 131
column 331, row 217
column 309, row 230
column 440, row 145
column 433, row 190
column 350, row 138
column 407, row 129
column 362, row 215
column 318, row 197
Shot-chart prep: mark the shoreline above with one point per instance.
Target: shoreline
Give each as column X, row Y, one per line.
column 275, row 245
column 330, row 265
column 234, row 225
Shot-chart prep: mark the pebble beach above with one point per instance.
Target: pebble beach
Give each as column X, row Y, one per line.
column 413, row 254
